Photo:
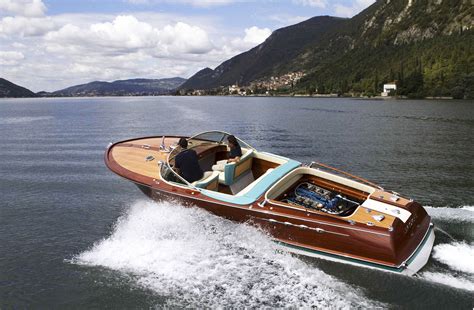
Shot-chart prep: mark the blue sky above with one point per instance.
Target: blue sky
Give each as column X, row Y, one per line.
column 52, row 44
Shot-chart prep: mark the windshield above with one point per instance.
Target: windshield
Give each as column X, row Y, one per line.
column 211, row 136
column 214, row 136
column 208, row 137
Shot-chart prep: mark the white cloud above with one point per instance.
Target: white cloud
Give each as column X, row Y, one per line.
column 256, row 35
column 122, row 47
column 185, row 38
column 10, row 58
column 28, row 8
column 127, row 34
column 312, row 3
column 18, row 45
column 79, row 48
column 26, row 26
column 351, row 10
column 253, row 36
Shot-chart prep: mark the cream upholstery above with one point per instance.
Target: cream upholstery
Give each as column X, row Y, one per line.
column 233, row 170
column 208, row 182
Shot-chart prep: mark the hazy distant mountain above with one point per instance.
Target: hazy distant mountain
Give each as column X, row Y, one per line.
column 132, row 87
column 425, row 45
column 9, row 89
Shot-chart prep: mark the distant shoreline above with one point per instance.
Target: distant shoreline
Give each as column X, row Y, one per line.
column 320, row 96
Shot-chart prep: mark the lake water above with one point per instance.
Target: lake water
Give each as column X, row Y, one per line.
column 75, row 235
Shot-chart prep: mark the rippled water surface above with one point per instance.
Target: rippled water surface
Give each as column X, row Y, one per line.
column 73, row 234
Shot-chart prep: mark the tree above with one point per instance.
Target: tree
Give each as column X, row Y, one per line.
column 376, row 82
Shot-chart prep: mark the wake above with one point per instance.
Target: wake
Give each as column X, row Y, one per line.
column 457, row 257
column 200, row 260
column 462, row 214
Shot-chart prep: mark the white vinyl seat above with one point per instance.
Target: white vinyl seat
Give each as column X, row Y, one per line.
column 254, row 183
column 209, row 181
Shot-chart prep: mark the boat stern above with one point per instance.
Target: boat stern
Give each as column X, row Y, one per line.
column 421, row 255
column 413, row 240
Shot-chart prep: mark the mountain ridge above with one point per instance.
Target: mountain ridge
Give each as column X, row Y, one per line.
column 128, row 87
column 264, row 52
column 12, row 90
column 396, row 29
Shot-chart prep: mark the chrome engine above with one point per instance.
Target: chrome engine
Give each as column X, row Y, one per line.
column 311, row 196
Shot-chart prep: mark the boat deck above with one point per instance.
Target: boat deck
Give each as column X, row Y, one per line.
column 132, row 155
column 382, row 229
column 140, row 157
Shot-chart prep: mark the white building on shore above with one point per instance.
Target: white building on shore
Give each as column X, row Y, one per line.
column 387, row 88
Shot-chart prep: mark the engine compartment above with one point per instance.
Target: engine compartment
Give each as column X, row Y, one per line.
column 311, row 196
column 318, row 190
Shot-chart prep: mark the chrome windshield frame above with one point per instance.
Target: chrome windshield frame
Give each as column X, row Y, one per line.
column 172, row 153
column 167, row 164
column 224, row 134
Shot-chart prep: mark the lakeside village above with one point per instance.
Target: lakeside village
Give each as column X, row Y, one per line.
column 280, row 86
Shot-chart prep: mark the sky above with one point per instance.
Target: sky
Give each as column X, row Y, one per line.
column 52, row 44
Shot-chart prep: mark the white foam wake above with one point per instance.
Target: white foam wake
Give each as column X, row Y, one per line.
column 457, row 255
column 454, row 281
column 200, row 260
column 22, row 119
column 463, row 214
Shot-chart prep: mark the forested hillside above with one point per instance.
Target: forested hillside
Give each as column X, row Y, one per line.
column 11, row 90
column 441, row 66
column 425, row 46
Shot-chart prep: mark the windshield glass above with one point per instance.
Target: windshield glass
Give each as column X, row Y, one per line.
column 205, row 138
column 219, row 137
column 211, row 136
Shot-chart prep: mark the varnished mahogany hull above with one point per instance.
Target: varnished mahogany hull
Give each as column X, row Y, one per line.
column 315, row 234
column 308, row 233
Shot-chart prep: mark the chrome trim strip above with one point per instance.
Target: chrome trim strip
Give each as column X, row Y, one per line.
column 318, row 230
column 342, row 257
column 276, row 214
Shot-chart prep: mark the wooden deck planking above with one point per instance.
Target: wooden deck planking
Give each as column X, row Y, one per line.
column 361, row 216
column 154, row 142
column 134, row 159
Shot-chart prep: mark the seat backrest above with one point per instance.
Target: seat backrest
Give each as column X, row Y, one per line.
column 233, row 170
column 210, row 183
column 258, row 188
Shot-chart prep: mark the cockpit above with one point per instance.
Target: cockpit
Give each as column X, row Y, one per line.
column 251, row 175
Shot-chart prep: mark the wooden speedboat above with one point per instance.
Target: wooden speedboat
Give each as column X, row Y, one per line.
column 313, row 209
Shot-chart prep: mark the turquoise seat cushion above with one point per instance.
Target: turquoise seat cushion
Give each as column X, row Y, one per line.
column 259, row 188
column 229, row 169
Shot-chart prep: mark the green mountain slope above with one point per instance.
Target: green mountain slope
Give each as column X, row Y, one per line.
column 11, row 90
column 276, row 55
column 424, row 45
